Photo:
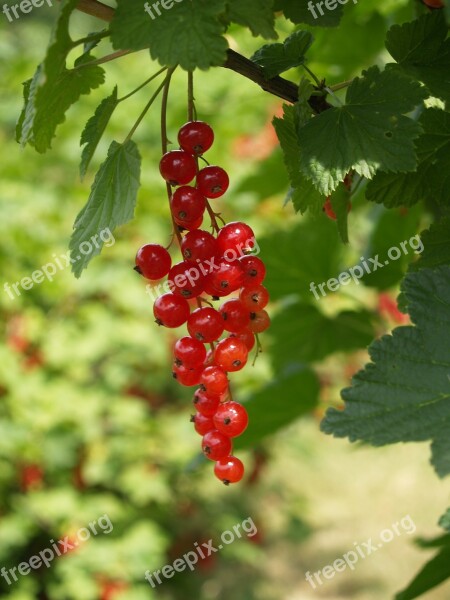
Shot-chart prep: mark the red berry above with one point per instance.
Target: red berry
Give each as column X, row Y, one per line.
column 229, row 470
column 190, row 353
column 235, row 240
column 202, row 424
column 259, row 321
column 254, row 270
column 254, row 298
column 187, row 204
column 214, row 381
column 189, row 225
column 171, row 311
column 187, row 377
column 153, row 261
column 246, row 336
column 178, row 167
column 199, row 245
column 205, row 324
column 226, row 277
column 196, row 137
column 434, row 3
column 231, row 419
column 328, row 209
column 186, row 279
column 212, row 181
column 216, row 445
column 206, row 404
column 231, row 354
column 235, row 315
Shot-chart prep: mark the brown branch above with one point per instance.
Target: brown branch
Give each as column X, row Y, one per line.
column 276, row 86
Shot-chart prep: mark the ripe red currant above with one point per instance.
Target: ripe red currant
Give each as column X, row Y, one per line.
column 216, row 445
column 236, row 316
column 254, row 298
column 328, row 208
column 214, row 381
column 229, row 470
column 212, row 181
column 186, row 279
column 206, row 404
column 202, row 424
column 235, row 240
column 434, row 3
column 254, row 270
column 226, row 277
column 205, row 324
column 231, row 419
column 171, row 311
column 153, row 261
column 187, row 204
column 187, row 377
column 189, row 352
column 188, row 225
column 246, row 336
column 199, row 245
column 196, row 137
column 259, row 321
column 231, row 354
column 178, row 167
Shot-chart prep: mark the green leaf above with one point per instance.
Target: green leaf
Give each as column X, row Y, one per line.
column 367, row 134
column 277, row 58
column 440, row 456
column 111, row 202
column 300, row 11
column 316, row 335
column 54, row 88
column 298, row 256
column 444, row 521
column 435, row 572
column 53, row 103
column 270, row 409
column 436, row 241
column 394, row 242
column 303, row 193
column 422, row 50
column 257, row 15
column 431, row 180
column 95, row 128
column 190, row 34
column 340, row 205
column 403, row 395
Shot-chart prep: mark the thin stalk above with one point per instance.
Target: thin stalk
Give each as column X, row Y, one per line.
column 341, row 86
column 316, row 79
column 165, row 143
column 143, row 84
column 144, row 112
column 104, row 59
column 89, row 38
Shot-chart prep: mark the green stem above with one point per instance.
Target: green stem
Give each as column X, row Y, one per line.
column 104, row 59
column 341, row 86
column 143, row 84
column 316, row 79
column 144, row 112
column 90, row 38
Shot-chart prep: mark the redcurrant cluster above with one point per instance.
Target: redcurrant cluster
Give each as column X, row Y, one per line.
column 217, row 265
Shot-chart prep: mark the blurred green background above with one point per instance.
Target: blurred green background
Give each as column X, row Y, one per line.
column 91, row 421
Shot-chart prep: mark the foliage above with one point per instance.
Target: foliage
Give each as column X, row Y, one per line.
column 382, row 125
